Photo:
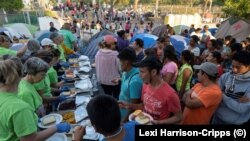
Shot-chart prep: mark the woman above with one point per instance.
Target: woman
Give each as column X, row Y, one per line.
column 35, row 70
column 170, row 69
column 215, row 57
column 107, row 66
column 211, row 46
column 43, row 87
column 4, row 47
column 185, row 73
column 17, row 118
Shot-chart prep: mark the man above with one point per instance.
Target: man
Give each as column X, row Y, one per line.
column 131, row 84
column 104, row 115
column 235, row 85
column 52, row 28
column 138, row 47
column 69, row 38
column 203, row 99
column 158, row 98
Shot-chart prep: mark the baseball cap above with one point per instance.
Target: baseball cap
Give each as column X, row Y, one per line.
column 208, row 67
column 151, row 62
column 109, row 39
column 47, row 42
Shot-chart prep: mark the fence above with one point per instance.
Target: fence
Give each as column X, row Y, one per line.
column 28, row 17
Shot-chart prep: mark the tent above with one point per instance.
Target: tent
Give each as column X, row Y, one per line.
column 160, row 31
column 180, row 43
column 236, row 27
column 21, row 29
column 100, row 34
column 40, row 35
column 92, row 48
column 148, row 39
column 9, row 32
column 179, row 28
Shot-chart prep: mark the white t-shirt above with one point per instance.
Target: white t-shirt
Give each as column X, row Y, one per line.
column 195, row 51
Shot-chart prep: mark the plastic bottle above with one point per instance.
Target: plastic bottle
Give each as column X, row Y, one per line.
column 94, row 83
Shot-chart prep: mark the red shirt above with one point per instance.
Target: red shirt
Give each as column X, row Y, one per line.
column 160, row 102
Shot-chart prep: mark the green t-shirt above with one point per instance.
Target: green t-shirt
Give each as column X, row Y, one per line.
column 44, row 85
column 6, row 51
column 68, row 38
column 52, row 75
column 17, row 119
column 62, row 55
column 28, row 93
column 180, row 77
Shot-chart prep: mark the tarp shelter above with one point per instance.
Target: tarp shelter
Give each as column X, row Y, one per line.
column 21, row 29
column 44, row 23
column 234, row 26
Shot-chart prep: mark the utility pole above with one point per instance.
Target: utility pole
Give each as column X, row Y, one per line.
column 156, row 7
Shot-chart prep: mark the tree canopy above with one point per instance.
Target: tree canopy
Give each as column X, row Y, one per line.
column 240, row 8
column 11, row 5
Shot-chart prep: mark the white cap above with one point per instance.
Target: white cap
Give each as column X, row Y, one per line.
column 47, row 42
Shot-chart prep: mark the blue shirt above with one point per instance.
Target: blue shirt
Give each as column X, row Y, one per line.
column 129, row 128
column 131, row 87
column 130, row 131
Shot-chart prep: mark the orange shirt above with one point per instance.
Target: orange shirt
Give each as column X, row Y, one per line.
column 211, row 97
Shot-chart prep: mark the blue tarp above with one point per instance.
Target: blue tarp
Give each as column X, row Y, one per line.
column 179, row 43
column 149, row 39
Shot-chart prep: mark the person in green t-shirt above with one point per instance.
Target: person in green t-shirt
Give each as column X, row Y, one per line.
column 53, row 77
column 35, row 70
column 4, row 48
column 43, row 87
column 17, row 119
column 185, row 73
column 55, row 37
column 69, row 38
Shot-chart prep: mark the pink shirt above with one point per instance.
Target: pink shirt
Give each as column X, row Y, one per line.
column 160, row 102
column 170, row 67
column 107, row 66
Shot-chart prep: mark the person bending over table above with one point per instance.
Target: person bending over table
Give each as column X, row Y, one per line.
column 17, row 118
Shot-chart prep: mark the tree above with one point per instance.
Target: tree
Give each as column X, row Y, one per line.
column 240, row 8
column 11, row 5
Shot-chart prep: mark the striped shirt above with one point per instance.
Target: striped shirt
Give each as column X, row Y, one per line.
column 107, row 66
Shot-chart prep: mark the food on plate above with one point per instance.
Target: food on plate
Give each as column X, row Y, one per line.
column 137, row 112
column 75, row 65
column 67, row 105
column 48, row 120
column 69, row 74
column 69, row 117
column 140, row 117
column 70, row 92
